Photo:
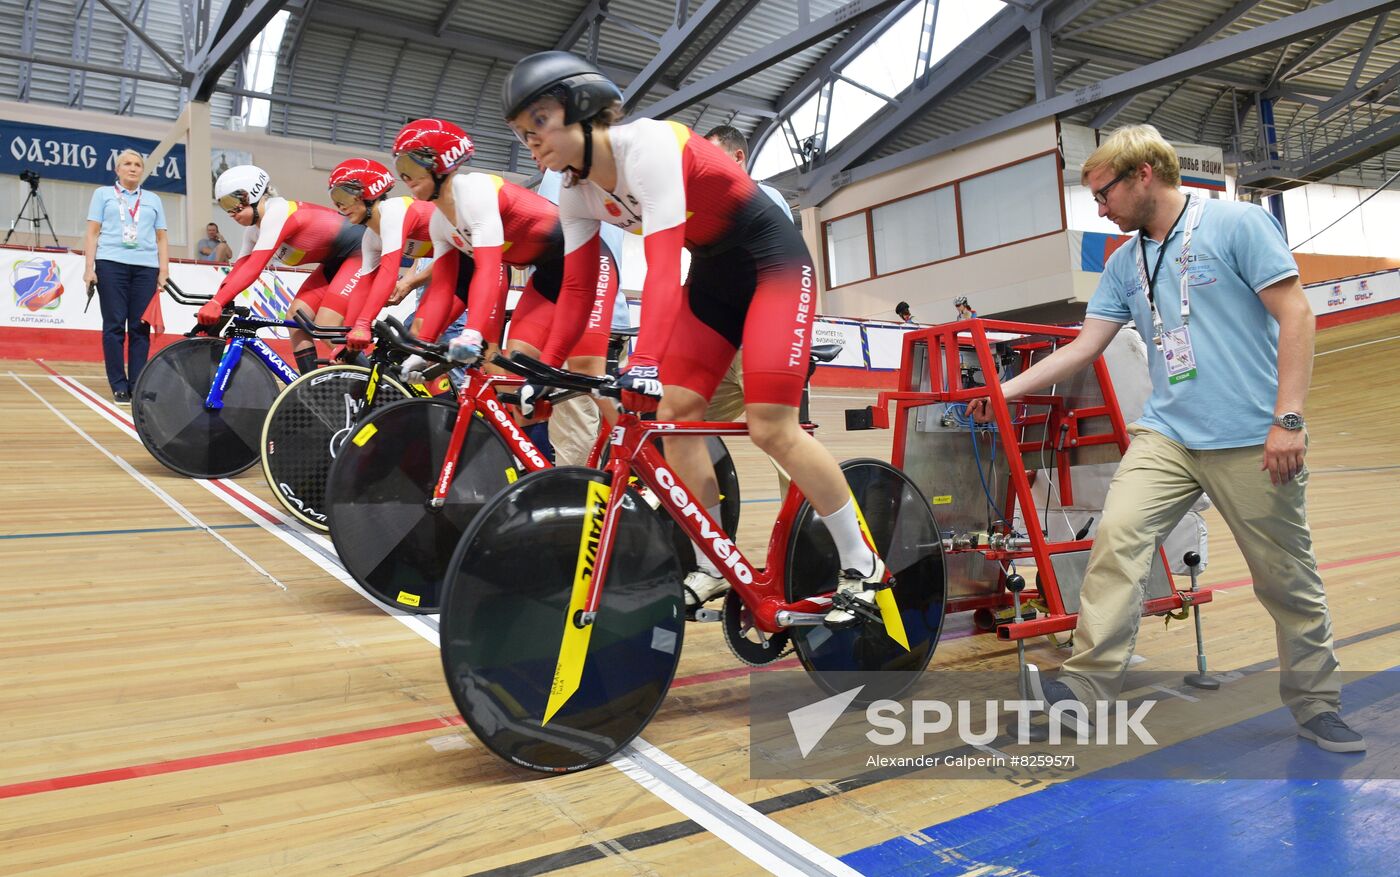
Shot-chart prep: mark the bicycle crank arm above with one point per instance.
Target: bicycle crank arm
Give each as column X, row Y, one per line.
column 786, row 618
column 704, row 615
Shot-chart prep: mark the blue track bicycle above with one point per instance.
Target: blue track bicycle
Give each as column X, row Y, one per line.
column 199, row 404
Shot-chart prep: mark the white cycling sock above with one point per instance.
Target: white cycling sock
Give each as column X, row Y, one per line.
column 706, row 565
column 844, row 528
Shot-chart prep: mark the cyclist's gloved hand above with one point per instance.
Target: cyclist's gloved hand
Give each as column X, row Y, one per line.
column 466, row 347
column 358, row 339
column 530, row 396
column 413, row 368
column 210, row 313
column 640, row 383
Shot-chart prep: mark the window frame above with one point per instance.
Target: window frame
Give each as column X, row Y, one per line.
column 963, row 252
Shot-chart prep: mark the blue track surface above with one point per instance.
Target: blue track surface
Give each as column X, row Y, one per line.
column 1106, row 824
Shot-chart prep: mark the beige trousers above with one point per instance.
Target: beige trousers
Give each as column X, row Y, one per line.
column 573, row 428
column 1155, row 485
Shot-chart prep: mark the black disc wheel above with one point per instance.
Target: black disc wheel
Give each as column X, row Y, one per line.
column 389, row 536
column 509, row 632
column 172, row 421
column 729, row 502
column 745, row 640
column 902, row 528
column 307, row 426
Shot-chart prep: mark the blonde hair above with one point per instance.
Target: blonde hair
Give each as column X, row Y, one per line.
column 1131, row 147
column 125, row 152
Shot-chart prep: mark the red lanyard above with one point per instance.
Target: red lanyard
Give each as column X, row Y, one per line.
column 121, row 196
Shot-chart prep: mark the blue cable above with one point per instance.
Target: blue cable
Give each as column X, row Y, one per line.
column 972, row 433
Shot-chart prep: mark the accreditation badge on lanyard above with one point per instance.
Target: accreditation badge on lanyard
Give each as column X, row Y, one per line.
column 1174, row 343
column 128, row 217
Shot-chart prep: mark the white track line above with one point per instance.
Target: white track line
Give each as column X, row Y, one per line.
column 313, row 547
column 752, row 834
column 188, row 516
column 1354, row 346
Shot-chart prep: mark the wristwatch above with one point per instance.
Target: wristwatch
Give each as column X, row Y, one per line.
column 1289, row 420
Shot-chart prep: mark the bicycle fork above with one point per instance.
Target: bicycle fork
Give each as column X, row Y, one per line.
column 602, row 506
column 233, row 352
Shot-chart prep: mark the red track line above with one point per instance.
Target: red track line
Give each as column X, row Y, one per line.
column 125, row 773
column 79, row 388
column 220, row 483
column 156, row 768
column 195, row 762
column 733, row 672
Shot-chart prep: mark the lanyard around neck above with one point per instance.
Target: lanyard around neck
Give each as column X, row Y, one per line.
column 132, row 209
column 1192, row 211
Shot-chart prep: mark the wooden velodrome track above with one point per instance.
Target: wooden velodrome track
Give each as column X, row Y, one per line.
column 187, row 693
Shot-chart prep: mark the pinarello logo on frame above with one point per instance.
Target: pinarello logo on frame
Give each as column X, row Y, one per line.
column 37, row 284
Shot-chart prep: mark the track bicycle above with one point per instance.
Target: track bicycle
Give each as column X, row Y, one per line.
column 414, row 474
column 312, row 418
column 564, row 618
column 199, row 404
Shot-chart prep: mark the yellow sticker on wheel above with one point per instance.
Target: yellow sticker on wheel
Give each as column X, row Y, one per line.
column 941, row 500
column 884, row 598
column 573, row 650
column 511, row 475
column 365, row 435
column 409, row 599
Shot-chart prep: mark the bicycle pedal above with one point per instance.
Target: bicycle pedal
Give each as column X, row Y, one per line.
column 703, row 615
column 857, row 607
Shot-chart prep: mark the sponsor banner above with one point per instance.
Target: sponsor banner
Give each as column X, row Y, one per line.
column 82, row 156
column 885, row 344
column 46, row 291
column 847, row 333
column 1201, row 166
column 1353, row 292
column 851, row 334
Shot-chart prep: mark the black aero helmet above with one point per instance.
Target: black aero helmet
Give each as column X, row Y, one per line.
column 589, row 92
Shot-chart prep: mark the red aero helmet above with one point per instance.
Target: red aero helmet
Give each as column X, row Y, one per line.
column 362, row 177
column 437, row 145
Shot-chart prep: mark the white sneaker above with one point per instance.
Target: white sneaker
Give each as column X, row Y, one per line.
column 701, row 588
column 860, row 587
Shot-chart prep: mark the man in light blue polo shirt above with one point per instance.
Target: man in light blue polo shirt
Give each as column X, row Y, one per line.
column 1214, row 291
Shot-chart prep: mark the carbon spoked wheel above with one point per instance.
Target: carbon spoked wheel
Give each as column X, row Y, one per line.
column 729, row 503
column 516, row 580
column 388, row 536
column 306, row 428
column 168, row 410
column 904, row 533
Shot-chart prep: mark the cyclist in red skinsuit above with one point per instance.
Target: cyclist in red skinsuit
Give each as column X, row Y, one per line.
column 500, row 224
column 294, row 233
column 395, row 229
column 751, row 283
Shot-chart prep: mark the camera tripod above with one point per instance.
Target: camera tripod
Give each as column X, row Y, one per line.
column 38, row 212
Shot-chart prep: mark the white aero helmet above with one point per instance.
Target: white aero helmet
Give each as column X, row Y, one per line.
column 240, row 186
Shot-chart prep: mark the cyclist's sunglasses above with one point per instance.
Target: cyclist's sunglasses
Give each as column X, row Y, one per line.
column 412, row 166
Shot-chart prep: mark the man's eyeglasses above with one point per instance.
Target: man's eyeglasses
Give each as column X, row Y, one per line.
column 1101, row 196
